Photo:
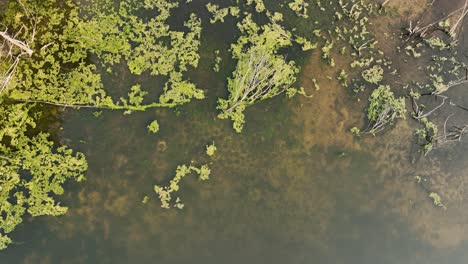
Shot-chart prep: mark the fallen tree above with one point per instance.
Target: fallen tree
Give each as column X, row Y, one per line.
column 384, row 108
column 261, row 72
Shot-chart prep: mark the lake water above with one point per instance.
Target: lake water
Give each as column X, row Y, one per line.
column 294, row 187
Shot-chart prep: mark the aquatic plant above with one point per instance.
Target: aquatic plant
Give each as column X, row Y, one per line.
column 59, row 73
column 153, row 127
column 165, row 192
column 220, row 13
column 44, row 59
column 33, row 169
column 218, row 61
column 259, row 5
column 426, row 134
column 437, row 200
column 442, row 71
column 374, row 74
column 261, row 72
column 211, row 149
column 355, row 131
column 299, row 7
column 424, row 30
column 383, row 109
column 326, row 49
column 343, row 78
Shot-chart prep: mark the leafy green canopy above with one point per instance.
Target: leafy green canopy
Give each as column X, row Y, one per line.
column 32, row 169
column 66, row 35
column 261, row 72
column 165, row 192
column 384, row 108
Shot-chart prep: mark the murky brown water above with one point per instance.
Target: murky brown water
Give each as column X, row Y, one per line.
column 294, row 187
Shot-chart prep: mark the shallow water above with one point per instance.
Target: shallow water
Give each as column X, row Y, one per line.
column 294, row 187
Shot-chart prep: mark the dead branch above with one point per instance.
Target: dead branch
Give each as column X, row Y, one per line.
column 384, row 3
column 13, row 49
column 18, row 43
column 453, row 134
column 421, row 31
column 457, row 25
column 385, row 117
column 418, row 111
column 7, row 76
column 444, row 87
column 259, row 79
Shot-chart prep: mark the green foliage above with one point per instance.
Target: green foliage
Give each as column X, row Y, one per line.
column 218, row 61
column 437, row 200
column 382, row 98
column 374, row 74
column 218, row 13
column 427, row 134
column 436, row 42
column 343, row 78
column 355, row 131
column 165, row 192
column 306, row 44
column 153, row 127
column 384, row 108
column 300, row 7
column 259, row 5
column 410, row 50
column 59, row 72
column 326, row 49
column 203, row 172
column 261, row 72
column 211, row 149
column 32, row 169
column 5, row 241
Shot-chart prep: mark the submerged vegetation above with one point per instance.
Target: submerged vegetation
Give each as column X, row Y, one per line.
column 32, row 169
